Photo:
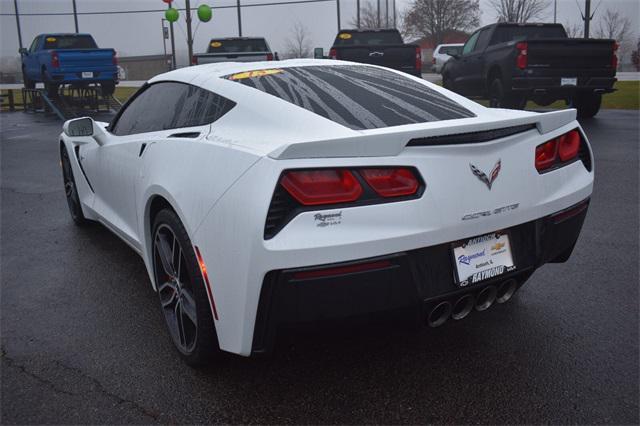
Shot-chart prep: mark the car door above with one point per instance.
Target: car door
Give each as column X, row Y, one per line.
column 475, row 63
column 462, row 69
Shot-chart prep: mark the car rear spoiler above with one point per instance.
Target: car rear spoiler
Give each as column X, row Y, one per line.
column 391, row 141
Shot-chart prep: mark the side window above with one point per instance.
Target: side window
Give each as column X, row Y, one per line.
column 470, row 44
column 34, row 45
column 170, row 105
column 483, row 40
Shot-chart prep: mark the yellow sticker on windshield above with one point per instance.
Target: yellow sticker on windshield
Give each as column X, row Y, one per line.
column 51, row 39
column 345, row 36
column 251, row 74
column 216, row 44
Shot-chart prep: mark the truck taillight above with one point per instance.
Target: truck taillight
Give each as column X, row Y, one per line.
column 521, row 61
column 333, row 54
column 55, row 60
column 269, row 56
column 194, row 60
column 614, row 55
column 418, row 59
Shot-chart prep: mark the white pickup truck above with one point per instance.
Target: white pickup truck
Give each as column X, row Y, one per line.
column 235, row 49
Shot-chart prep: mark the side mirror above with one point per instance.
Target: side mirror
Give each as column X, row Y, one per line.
column 84, row 127
column 318, row 53
column 23, row 51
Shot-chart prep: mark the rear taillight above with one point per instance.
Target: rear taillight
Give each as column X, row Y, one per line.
column 614, row 55
column 521, row 61
column 418, row 59
column 557, row 151
column 333, row 53
column 269, row 56
column 55, row 60
column 433, row 61
column 194, row 60
column 394, row 182
column 327, row 186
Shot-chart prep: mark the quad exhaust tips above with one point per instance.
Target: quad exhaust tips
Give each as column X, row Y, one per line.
column 462, row 307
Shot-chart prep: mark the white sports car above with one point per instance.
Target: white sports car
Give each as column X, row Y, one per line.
column 263, row 194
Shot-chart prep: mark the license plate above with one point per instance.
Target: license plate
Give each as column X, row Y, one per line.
column 565, row 81
column 481, row 258
column 87, row 75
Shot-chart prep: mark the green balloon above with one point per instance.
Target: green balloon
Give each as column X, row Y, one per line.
column 171, row 14
column 204, row 13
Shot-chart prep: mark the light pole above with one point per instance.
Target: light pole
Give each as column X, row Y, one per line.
column 15, row 4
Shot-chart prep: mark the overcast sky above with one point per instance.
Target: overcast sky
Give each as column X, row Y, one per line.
column 140, row 34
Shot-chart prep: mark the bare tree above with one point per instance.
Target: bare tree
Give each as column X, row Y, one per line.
column 299, row 44
column 519, row 11
column 615, row 26
column 573, row 30
column 368, row 18
column 432, row 19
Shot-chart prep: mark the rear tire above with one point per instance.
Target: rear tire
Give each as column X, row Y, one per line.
column 50, row 88
column 71, row 190
column 108, row 88
column 500, row 98
column 28, row 84
column 587, row 105
column 447, row 82
column 181, row 289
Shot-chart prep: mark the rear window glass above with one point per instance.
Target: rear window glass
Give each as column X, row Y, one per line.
column 237, row 46
column 69, row 42
column 356, row 96
column 346, row 38
column 505, row 34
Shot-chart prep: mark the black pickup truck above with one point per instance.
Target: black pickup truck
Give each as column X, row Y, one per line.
column 378, row 47
column 509, row 64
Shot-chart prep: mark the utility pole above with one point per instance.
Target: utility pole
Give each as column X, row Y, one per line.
column 338, row 10
column 75, row 15
column 555, row 10
column 394, row 15
column 189, row 35
column 386, row 5
column 15, row 4
column 378, row 21
column 173, row 47
column 239, row 20
column 587, row 17
column 358, row 13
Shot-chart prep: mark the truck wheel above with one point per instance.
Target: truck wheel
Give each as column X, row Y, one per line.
column 498, row 98
column 51, row 89
column 447, row 82
column 108, row 87
column 587, row 105
column 28, row 84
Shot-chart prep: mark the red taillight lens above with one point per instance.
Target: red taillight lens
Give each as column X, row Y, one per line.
column 546, row 154
column 55, row 60
column 391, row 182
column 418, row 59
column 521, row 61
column 569, row 145
column 315, row 187
column 342, row 270
column 558, row 150
column 269, row 56
column 194, row 61
column 333, row 54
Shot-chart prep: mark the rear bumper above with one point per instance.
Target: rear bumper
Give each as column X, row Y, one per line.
column 552, row 85
column 76, row 77
column 416, row 280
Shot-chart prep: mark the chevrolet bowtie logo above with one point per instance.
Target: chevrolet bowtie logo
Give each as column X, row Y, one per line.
column 483, row 177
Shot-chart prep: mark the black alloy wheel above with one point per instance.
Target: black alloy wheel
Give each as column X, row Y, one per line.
column 70, row 189
column 181, row 290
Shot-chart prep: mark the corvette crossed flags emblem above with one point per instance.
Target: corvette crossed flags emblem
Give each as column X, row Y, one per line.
column 483, row 177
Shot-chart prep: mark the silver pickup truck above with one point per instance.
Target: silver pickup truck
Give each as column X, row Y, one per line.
column 235, row 49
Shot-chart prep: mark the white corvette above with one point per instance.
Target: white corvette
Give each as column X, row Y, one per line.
column 266, row 194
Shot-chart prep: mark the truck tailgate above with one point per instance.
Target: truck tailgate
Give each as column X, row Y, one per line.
column 85, row 58
column 572, row 53
column 401, row 57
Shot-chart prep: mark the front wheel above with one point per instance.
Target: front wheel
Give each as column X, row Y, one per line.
column 587, row 105
column 71, row 190
column 108, row 88
column 28, row 84
column 182, row 293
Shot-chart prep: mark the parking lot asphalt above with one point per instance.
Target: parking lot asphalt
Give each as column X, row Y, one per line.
column 83, row 340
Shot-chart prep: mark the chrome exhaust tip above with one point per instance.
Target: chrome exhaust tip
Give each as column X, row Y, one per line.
column 463, row 307
column 506, row 290
column 485, row 298
column 439, row 315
